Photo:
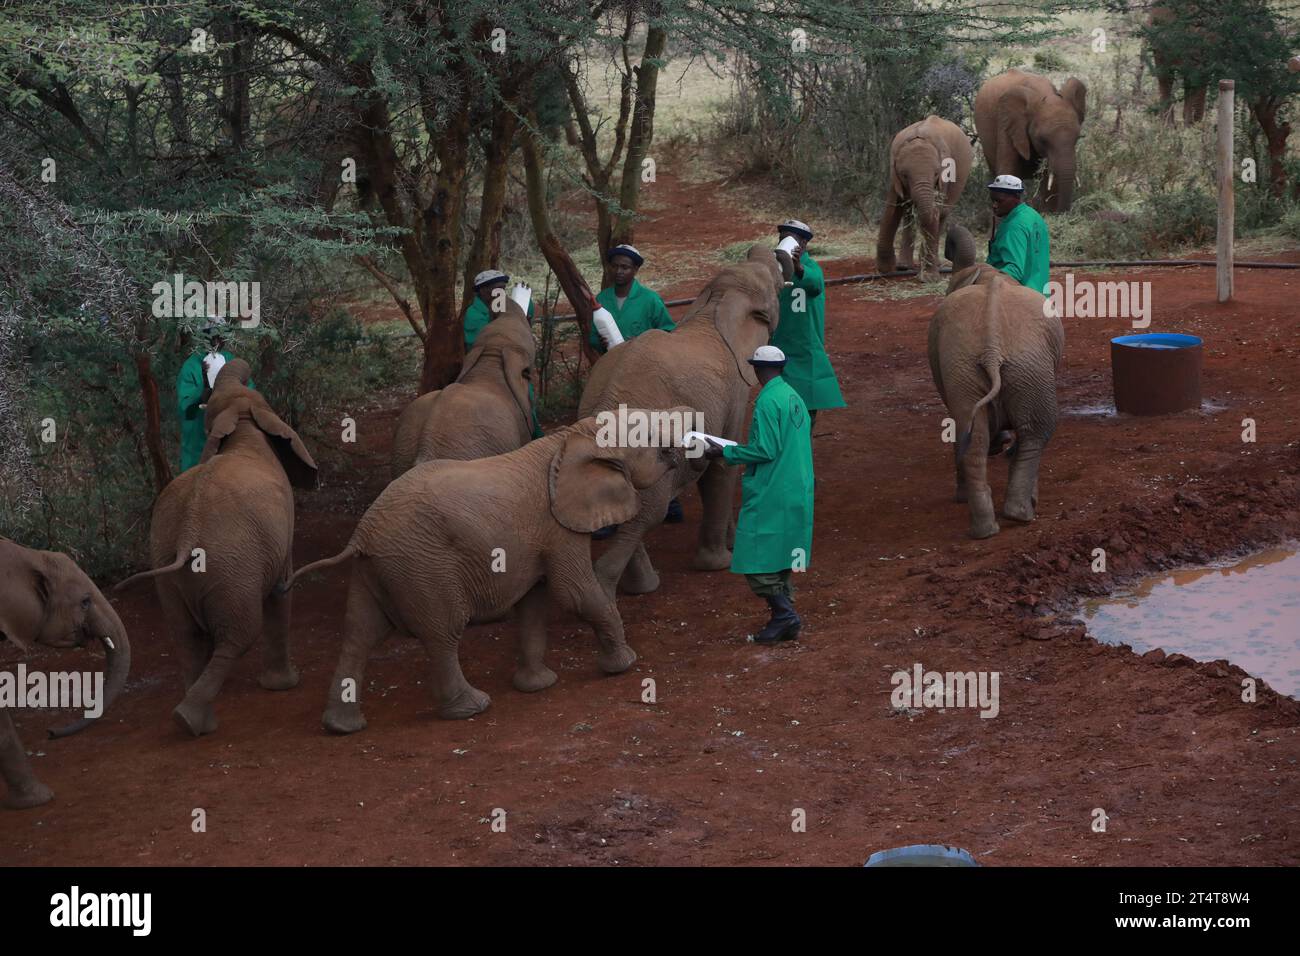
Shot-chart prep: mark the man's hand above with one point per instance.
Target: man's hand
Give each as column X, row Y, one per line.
column 712, row 449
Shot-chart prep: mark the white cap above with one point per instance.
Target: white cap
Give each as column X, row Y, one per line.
column 768, row 355
column 794, row 225
column 626, row 249
column 1007, row 184
column 490, row 275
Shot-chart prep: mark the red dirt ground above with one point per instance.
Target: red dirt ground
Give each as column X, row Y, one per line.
column 740, row 737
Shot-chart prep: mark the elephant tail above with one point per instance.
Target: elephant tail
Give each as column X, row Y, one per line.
column 990, row 359
column 347, row 554
column 182, row 554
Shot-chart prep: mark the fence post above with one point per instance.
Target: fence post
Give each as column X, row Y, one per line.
column 1227, row 178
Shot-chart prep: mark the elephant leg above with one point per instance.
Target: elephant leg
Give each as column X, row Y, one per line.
column 24, row 789
column 457, row 698
column 364, row 625
column 191, row 642
column 1022, row 484
column 533, row 674
column 278, row 672
column 584, row 596
column 232, row 634
column 640, row 576
column 961, row 495
column 886, row 261
column 717, row 492
column 907, row 255
column 983, row 522
column 614, row 567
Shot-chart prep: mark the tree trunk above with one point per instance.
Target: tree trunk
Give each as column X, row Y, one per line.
column 557, row 257
column 639, row 140
column 1275, row 133
column 485, row 252
column 162, row 472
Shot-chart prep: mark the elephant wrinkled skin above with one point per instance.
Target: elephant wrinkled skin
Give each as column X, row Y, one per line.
column 993, row 355
column 702, row 365
column 486, row 411
column 1022, row 120
column 452, row 543
column 46, row 599
column 929, row 162
column 236, row 507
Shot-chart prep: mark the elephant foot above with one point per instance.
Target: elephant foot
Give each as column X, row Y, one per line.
column 34, row 795
column 979, row 529
column 197, row 719
column 886, row 264
column 712, row 559
column 1018, row 512
column 930, row 276
column 531, row 680
column 285, row 678
column 616, row 661
column 639, row 580
column 343, row 720
column 466, row 704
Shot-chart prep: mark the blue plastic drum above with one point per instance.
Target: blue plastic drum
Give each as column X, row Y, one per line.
column 922, row 854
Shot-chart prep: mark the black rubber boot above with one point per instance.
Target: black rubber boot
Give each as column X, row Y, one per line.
column 784, row 624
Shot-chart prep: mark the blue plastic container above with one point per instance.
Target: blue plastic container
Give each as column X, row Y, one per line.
column 922, row 854
column 1157, row 373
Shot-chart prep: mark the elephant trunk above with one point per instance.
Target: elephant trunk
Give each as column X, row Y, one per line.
column 960, row 248
column 1061, row 169
column 927, row 215
column 105, row 626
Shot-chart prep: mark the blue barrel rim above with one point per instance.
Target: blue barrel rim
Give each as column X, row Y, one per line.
column 1177, row 340
column 939, row 850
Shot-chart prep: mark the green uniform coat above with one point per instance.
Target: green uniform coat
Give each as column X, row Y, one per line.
column 641, row 311
column 476, row 319
column 189, row 393
column 1021, row 248
column 802, row 337
column 776, row 511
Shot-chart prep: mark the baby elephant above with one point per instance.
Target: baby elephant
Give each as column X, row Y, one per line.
column 223, row 533
column 994, row 354
column 46, row 599
column 452, row 543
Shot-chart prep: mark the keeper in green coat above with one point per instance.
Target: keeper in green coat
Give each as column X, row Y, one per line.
column 1020, row 246
column 487, row 286
column 801, row 329
column 774, row 529
column 194, row 388
column 635, row 308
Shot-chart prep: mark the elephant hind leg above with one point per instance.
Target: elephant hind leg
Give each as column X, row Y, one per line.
column 533, row 674
column 234, row 624
column 365, row 624
column 24, row 789
column 278, row 672
column 440, row 633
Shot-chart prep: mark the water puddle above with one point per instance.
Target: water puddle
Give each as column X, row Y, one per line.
column 1107, row 409
column 1248, row 613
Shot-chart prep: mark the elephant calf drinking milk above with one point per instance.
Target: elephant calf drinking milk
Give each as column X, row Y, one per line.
column 993, row 354
column 46, row 599
column 451, row 543
column 222, row 538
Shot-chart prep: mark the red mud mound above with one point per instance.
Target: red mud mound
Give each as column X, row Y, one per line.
column 741, row 737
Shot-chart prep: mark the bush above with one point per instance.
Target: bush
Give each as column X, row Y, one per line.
column 1185, row 217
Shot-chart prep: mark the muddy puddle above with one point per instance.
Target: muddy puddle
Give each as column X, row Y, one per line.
column 1106, row 409
column 1247, row 612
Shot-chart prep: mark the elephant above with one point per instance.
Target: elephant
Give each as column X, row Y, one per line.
column 46, row 599
column 222, row 538
column 702, row 365
column 451, row 543
column 1165, row 32
column 929, row 162
column 487, row 411
column 994, row 350
column 1022, row 120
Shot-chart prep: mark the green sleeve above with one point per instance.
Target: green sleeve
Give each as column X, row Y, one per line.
column 189, row 387
column 812, row 281
column 764, row 437
column 1009, row 251
column 661, row 319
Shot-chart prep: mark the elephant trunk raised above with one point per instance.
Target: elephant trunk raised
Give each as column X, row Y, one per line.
column 103, row 624
column 959, row 248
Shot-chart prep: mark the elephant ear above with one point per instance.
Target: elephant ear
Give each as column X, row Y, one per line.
column 589, row 485
column 732, row 313
column 1013, row 124
column 1076, row 93
column 519, row 372
column 294, row 457
column 220, row 427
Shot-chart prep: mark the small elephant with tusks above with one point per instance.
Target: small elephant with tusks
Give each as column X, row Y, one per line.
column 452, row 543
column 46, row 599
column 222, row 538
column 994, row 350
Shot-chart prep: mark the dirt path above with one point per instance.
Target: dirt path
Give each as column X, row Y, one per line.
column 741, row 737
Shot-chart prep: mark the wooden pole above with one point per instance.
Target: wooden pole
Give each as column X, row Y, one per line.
column 1227, row 176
